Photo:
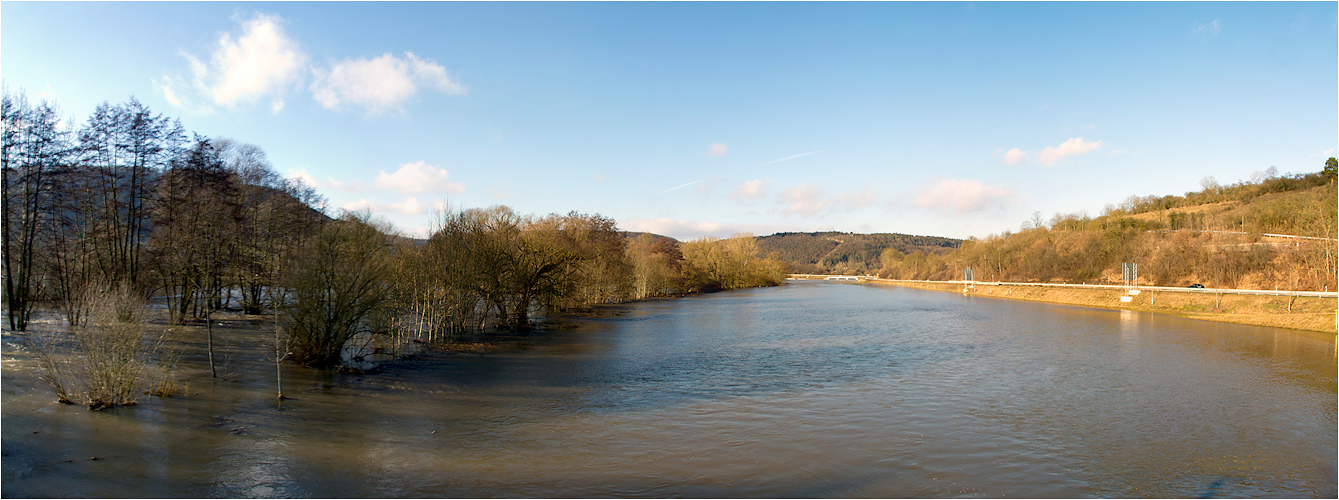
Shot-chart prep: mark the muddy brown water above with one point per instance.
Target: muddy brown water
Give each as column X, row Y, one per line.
column 805, row 390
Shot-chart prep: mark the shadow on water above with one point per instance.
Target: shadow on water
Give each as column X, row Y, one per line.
column 806, row 390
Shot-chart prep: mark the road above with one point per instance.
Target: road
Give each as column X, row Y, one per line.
column 1225, row 291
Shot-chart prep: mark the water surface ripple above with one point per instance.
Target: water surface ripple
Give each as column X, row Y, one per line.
column 805, row 390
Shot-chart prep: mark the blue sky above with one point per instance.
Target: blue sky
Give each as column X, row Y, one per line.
column 692, row 119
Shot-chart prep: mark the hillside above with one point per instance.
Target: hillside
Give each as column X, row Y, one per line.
column 1218, row 237
column 837, row 252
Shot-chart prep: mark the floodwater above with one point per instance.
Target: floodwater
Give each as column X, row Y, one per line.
column 805, row 390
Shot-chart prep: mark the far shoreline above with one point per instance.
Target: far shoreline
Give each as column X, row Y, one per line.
column 1315, row 314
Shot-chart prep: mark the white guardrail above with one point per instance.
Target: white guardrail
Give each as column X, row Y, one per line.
column 1225, row 291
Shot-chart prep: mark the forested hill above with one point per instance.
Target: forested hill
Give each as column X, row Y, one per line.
column 839, row 252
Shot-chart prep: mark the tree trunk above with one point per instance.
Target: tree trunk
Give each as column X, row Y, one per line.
column 209, row 327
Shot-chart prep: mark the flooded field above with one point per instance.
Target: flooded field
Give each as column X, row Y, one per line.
column 805, row 390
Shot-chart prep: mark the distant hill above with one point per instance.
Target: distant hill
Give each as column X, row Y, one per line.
column 838, row 252
column 632, row 235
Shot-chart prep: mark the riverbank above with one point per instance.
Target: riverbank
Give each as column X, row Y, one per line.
column 1307, row 313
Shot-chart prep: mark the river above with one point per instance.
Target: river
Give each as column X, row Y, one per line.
column 804, row 390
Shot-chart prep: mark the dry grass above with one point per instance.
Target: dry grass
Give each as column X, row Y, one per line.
column 1307, row 313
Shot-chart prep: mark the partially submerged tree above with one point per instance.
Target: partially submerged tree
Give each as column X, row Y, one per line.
column 34, row 148
column 336, row 285
column 656, row 266
column 712, row 264
column 113, row 355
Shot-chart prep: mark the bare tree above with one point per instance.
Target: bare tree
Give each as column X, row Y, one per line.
column 34, row 148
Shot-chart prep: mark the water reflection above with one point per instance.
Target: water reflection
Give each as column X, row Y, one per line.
column 809, row 390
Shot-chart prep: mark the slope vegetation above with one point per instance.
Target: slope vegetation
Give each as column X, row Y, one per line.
column 836, row 252
column 1266, row 233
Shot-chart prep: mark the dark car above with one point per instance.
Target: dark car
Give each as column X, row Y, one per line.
column 1196, row 285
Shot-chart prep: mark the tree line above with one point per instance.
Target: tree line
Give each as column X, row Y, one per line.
column 128, row 201
column 487, row 269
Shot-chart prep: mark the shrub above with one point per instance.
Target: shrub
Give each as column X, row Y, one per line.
column 112, row 353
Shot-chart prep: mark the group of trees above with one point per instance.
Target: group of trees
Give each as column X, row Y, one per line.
column 491, row 268
column 127, row 201
column 1215, row 237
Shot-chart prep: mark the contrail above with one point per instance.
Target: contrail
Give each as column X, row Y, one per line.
column 683, row 185
column 788, row 158
column 763, row 164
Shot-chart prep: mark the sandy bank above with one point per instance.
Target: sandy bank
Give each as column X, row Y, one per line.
column 1307, row 313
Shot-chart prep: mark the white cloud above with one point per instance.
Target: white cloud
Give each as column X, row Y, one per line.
column 307, row 178
column 379, row 84
column 168, row 94
column 177, row 92
column 260, row 61
column 717, row 149
column 302, row 175
column 677, row 228
column 751, row 190
column 684, row 230
column 165, row 86
column 499, row 193
column 407, row 206
column 962, row 196
column 418, row 177
column 1211, row 28
column 1075, row 146
column 361, row 204
column 859, row 198
column 46, row 94
column 808, row 200
column 421, row 231
column 347, row 187
column 1014, row 156
column 805, row 199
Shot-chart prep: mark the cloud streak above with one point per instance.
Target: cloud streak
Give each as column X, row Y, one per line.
column 763, row 164
column 686, row 184
column 789, row 158
column 1211, row 28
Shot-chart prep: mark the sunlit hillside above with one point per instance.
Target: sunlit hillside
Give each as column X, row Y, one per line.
column 1271, row 231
